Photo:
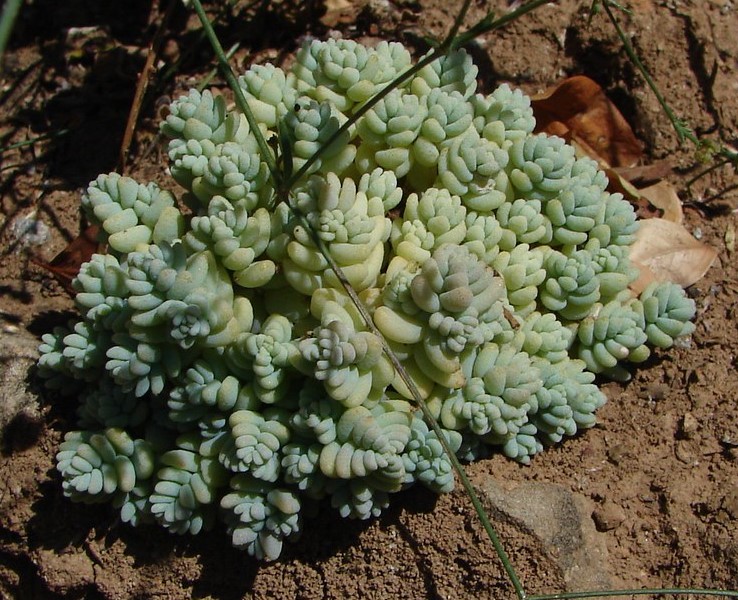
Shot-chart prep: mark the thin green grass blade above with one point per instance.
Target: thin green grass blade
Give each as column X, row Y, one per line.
column 39, row 138
column 243, row 105
column 431, row 420
column 438, row 51
column 488, row 24
column 7, row 21
column 637, row 592
column 209, row 77
column 683, row 131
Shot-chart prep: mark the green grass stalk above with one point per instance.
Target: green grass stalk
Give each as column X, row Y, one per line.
column 241, row 102
column 683, row 131
column 637, row 592
column 450, row 42
column 31, row 142
column 7, row 21
column 430, row 419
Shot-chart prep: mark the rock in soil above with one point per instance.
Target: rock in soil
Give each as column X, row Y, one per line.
column 19, row 406
column 608, row 516
column 560, row 520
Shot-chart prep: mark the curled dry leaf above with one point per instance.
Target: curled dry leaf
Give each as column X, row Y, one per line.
column 645, row 174
column 578, row 110
column 666, row 251
column 644, row 208
column 663, row 196
column 620, row 184
column 65, row 265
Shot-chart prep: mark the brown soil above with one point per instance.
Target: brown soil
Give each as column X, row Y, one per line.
column 661, row 466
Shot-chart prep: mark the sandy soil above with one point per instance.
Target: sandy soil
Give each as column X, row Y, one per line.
column 661, row 468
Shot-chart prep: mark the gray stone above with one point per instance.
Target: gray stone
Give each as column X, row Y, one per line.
column 18, row 353
column 561, row 521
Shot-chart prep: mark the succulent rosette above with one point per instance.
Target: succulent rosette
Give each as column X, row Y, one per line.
column 225, row 374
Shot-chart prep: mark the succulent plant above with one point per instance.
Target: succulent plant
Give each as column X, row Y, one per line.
column 223, row 371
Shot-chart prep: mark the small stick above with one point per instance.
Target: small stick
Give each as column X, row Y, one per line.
column 142, row 85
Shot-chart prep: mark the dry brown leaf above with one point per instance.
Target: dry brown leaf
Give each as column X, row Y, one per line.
column 619, row 184
column 588, row 117
column 65, row 265
column 645, row 174
column 664, row 197
column 666, row 251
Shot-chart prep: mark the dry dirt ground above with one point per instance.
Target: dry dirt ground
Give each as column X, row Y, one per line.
column 661, row 467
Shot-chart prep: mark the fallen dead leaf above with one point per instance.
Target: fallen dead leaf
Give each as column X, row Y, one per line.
column 578, row 110
column 645, row 174
column 664, row 197
column 622, row 185
column 666, row 251
column 65, row 265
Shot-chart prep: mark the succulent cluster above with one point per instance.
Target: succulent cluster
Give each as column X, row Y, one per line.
column 223, row 371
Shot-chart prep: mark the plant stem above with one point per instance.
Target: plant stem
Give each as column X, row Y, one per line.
column 682, row 130
column 713, row 167
column 486, row 25
column 209, row 77
column 450, row 41
column 7, row 21
column 243, row 105
column 636, row 592
column 458, row 22
column 32, row 141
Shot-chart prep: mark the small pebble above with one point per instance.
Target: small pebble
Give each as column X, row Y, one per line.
column 608, row 516
column 689, row 425
column 29, row 231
